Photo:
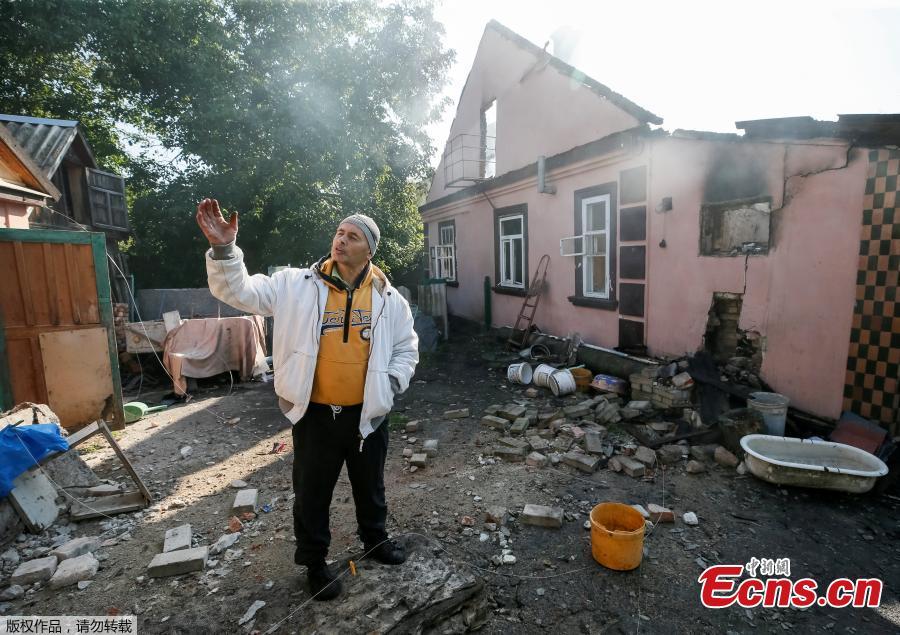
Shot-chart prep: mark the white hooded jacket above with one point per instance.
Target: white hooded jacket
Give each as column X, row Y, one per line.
column 296, row 299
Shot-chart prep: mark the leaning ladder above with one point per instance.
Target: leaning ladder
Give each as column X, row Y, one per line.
column 519, row 335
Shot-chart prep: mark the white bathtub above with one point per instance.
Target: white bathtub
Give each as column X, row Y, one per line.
column 809, row 463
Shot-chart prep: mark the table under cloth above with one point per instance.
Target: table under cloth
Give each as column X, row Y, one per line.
column 209, row 346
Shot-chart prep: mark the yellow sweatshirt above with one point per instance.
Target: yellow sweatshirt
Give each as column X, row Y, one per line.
column 344, row 344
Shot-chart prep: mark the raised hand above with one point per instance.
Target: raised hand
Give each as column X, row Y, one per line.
column 217, row 230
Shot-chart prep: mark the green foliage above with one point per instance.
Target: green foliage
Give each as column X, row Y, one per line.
column 296, row 114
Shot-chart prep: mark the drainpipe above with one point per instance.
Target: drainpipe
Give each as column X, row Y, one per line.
column 543, row 188
column 487, row 303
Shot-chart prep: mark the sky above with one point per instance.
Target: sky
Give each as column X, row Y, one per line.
column 704, row 65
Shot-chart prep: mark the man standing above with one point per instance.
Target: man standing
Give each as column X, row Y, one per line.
column 343, row 346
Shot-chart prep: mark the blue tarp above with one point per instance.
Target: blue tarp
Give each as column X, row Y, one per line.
column 23, row 446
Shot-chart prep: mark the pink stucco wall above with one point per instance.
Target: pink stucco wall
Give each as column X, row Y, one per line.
column 533, row 104
column 799, row 297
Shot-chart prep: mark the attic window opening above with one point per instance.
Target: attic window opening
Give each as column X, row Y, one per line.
column 489, row 140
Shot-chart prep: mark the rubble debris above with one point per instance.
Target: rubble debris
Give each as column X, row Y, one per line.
column 106, row 489
column 251, row 612
column 411, row 426
column 13, row 592
column 630, row 466
column 467, row 521
column 407, row 453
column 690, row 518
column 695, row 467
column 725, row 458
column 511, row 412
column 76, row 547
column 74, row 570
column 178, row 538
column 496, row 514
column 669, row 454
column 519, row 426
column 542, row 516
column 37, row 570
column 531, row 393
column 742, row 468
column 186, row 451
column 460, row 413
column 538, row 444
column 660, row 514
column 224, row 543
column 238, row 484
column 245, row 501
column 682, row 381
column 178, row 562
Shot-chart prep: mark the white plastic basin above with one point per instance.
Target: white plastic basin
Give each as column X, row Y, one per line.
column 811, row 463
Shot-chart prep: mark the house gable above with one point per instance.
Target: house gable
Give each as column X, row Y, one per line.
column 543, row 107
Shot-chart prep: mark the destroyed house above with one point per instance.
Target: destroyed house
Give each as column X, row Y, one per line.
column 777, row 248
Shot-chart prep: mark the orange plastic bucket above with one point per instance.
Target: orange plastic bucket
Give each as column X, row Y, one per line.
column 583, row 378
column 617, row 536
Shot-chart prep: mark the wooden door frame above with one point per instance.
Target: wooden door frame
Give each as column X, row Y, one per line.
column 97, row 241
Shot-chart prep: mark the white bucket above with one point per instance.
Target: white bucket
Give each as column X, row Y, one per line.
column 542, row 375
column 773, row 408
column 562, row 382
column 519, row 373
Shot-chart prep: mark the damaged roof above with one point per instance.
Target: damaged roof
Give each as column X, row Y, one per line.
column 641, row 114
column 48, row 140
column 861, row 129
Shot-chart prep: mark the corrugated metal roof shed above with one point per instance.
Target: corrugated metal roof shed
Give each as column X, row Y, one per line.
column 45, row 140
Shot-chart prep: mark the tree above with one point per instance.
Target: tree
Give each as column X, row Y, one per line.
column 296, row 114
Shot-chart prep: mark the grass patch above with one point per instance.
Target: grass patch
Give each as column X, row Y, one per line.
column 397, row 421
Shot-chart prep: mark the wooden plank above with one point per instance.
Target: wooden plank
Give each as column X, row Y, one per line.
column 74, row 283
column 24, row 288
column 116, row 416
column 134, row 475
column 46, row 236
column 6, row 398
column 77, row 438
column 107, row 505
column 50, row 279
column 37, row 365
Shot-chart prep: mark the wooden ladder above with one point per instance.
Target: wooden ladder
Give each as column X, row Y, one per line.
column 519, row 336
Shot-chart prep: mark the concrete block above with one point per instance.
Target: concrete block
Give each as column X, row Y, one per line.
column 646, row 456
column 419, row 459
column 538, row 444
column 507, row 453
column 411, row 426
column 430, row 447
column 76, row 547
column 34, row 497
column 659, row 514
column 542, row 516
column 562, row 443
column 512, row 412
column 74, row 570
column 245, row 501
column 460, row 413
column 631, row 467
column 37, row 570
column 178, row 562
column 585, row 462
column 593, row 442
column 177, row 538
column 495, row 423
column 519, row 426
column 536, row 459
column 518, row 444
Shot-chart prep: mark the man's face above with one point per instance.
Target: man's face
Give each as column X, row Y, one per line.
column 349, row 247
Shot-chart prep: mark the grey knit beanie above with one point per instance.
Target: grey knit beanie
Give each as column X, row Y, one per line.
column 368, row 227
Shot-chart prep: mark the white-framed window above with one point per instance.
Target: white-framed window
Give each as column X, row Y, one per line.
column 592, row 246
column 595, row 233
column 443, row 255
column 512, row 251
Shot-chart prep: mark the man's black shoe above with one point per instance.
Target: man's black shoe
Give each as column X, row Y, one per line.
column 323, row 584
column 387, row 553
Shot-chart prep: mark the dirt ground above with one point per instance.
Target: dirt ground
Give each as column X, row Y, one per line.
column 554, row 585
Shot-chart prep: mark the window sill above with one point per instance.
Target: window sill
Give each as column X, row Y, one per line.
column 594, row 303
column 510, row 291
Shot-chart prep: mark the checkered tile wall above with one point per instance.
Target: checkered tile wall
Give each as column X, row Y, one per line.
column 873, row 364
